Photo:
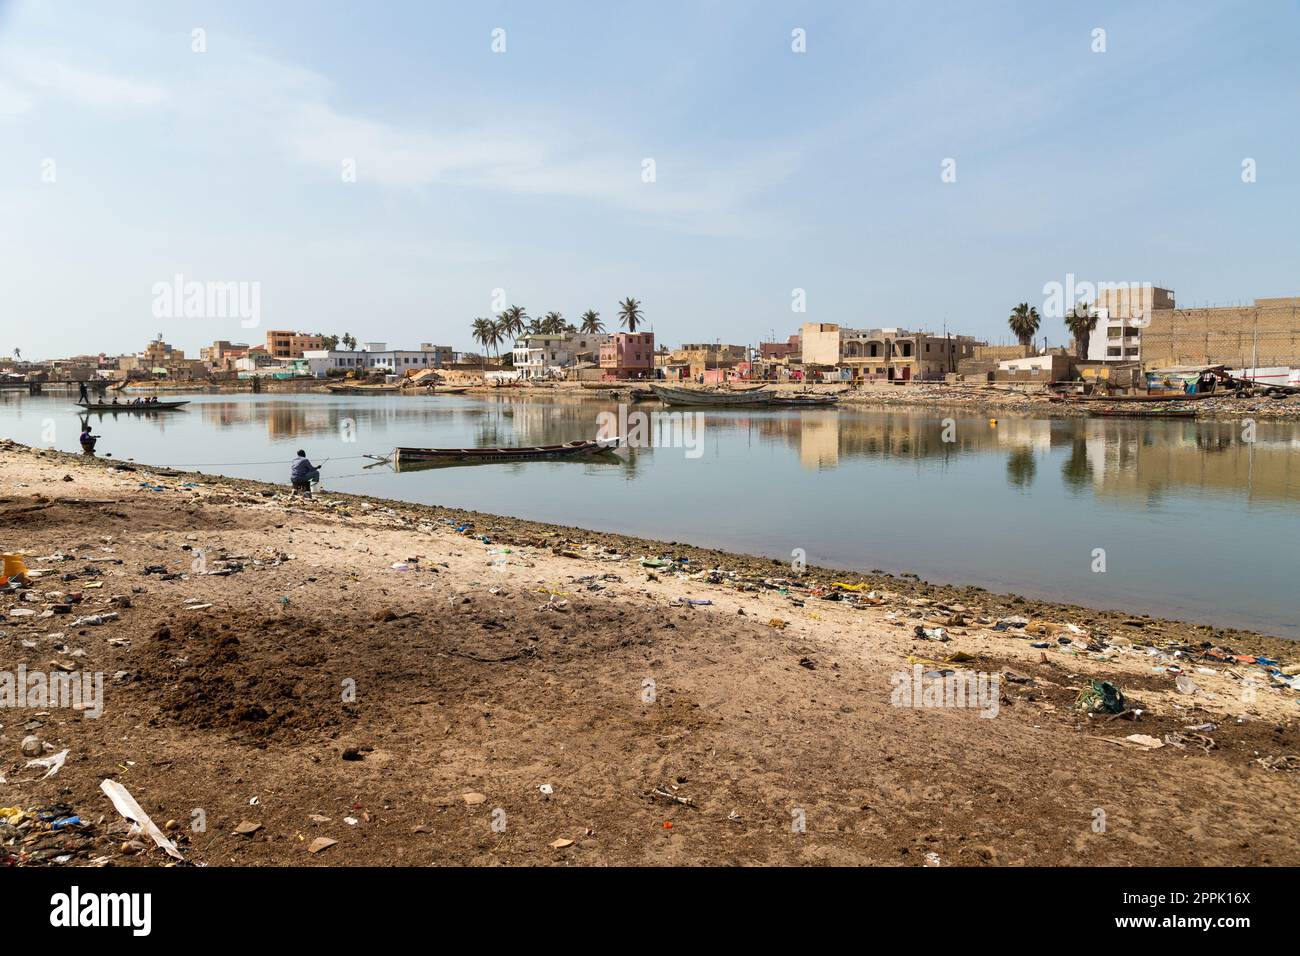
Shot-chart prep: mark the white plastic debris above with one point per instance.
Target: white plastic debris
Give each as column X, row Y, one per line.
column 51, row 764
column 125, row 804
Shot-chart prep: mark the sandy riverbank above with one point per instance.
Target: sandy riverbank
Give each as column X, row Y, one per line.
column 485, row 670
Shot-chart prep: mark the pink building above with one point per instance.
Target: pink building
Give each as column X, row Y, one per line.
column 628, row 355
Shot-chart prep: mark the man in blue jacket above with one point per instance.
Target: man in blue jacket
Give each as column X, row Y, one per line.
column 302, row 473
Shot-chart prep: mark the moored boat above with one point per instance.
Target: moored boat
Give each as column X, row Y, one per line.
column 363, row 389
column 410, row 456
column 697, row 396
column 802, row 401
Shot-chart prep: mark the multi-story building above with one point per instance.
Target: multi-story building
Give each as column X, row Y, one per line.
column 377, row 357
column 545, row 356
column 628, row 355
column 285, row 344
column 780, row 351
column 698, row 358
column 1124, row 310
column 894, row 354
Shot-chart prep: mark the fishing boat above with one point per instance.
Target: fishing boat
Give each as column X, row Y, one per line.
column 696, row 396
column 1148, row 398
column 449, row 389
column 363, row 389
column 414, row 456
column 1139, row 412
column 127, row 407
column 805, row 401
column 604, row 386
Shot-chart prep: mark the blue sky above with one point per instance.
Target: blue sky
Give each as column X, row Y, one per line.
column 522, row 170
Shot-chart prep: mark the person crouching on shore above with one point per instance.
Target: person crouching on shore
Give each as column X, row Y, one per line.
column 302, row 473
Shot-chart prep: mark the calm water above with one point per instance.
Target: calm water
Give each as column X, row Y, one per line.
column 1195, row 523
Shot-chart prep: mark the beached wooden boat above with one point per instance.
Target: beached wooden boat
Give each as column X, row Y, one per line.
column 363, row 389
column 805, row 401
column 411, row 456
column 696, row 396
column 449, row 389
column 1158, row 397
column 1140, row 412
column 605, row 386
column 127, row 407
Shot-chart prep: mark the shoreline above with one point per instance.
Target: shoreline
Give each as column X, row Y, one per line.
column 388, row 682
column 510, row 529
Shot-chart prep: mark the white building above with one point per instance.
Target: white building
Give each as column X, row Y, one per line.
column 547, row 356
column 377, row 357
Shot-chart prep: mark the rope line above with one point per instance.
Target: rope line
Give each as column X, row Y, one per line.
column 236, row 464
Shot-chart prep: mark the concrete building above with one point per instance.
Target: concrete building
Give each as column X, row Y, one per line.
column 376, row 357
column 1123, row 312
column 699, row 359
column 628, row 355
column 548, row 356
column 786, row 351
column 285, row 344
column 893, row 354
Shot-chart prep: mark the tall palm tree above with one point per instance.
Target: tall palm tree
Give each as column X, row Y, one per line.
column 535, row 327
column 18, row 354
column 512, row 320
column 553, row 323
column 349, row 341
column 591, row 323
column 629, row 314
column 483, row 330
column 1024, row 323
column 1081, row 323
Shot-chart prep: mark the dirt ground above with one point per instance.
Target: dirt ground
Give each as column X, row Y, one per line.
column 377, row 674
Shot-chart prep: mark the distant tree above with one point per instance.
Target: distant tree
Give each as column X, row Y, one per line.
column 1024, row 322
column 591, row 323
column 553, row 323
column 331, row 342
column 18, row 354
column 483, row 331
column 1081, row 323
column 349, row 341
column 629, row 314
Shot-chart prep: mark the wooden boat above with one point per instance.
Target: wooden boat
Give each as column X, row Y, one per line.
column 410, row 456
column 363, row 389
column 1142, row 412
column 644, row 395
column 1160, row 397
column 605, row 386
column 126, row 407
column 805, row 401
column 449, row 389
column 696, row 396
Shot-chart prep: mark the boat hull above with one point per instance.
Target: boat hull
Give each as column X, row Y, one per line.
column 110, row 407
column 573, row 449
column 690, row 396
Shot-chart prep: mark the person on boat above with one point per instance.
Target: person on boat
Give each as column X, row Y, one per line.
column 82, row 394
column 88, row 440
column 302, row 473
column 115, row 401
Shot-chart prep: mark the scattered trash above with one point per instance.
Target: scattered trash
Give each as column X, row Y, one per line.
column 125, row 804
column 51, row 764
column 1100, row 697
column 320, row 843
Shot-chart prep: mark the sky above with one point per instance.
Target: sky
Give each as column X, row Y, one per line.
column 397, row 169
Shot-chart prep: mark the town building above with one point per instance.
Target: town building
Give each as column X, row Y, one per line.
column 887, row 354
column 787, row 351
column 628, row 355
column 1265, row 334
column 376, row 357
column 548, row 356
column 1124, row 311
column 697, row 360
column 286, row 344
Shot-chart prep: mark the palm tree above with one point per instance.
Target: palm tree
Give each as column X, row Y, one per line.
column 629, row 314
column 1024, row 323
column 1081, row 324
column 553, row 323
column 512, row 320
column 349, row 341
column 18, row 354
column 483, row 331
column 535, row 327
column 591, row 323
